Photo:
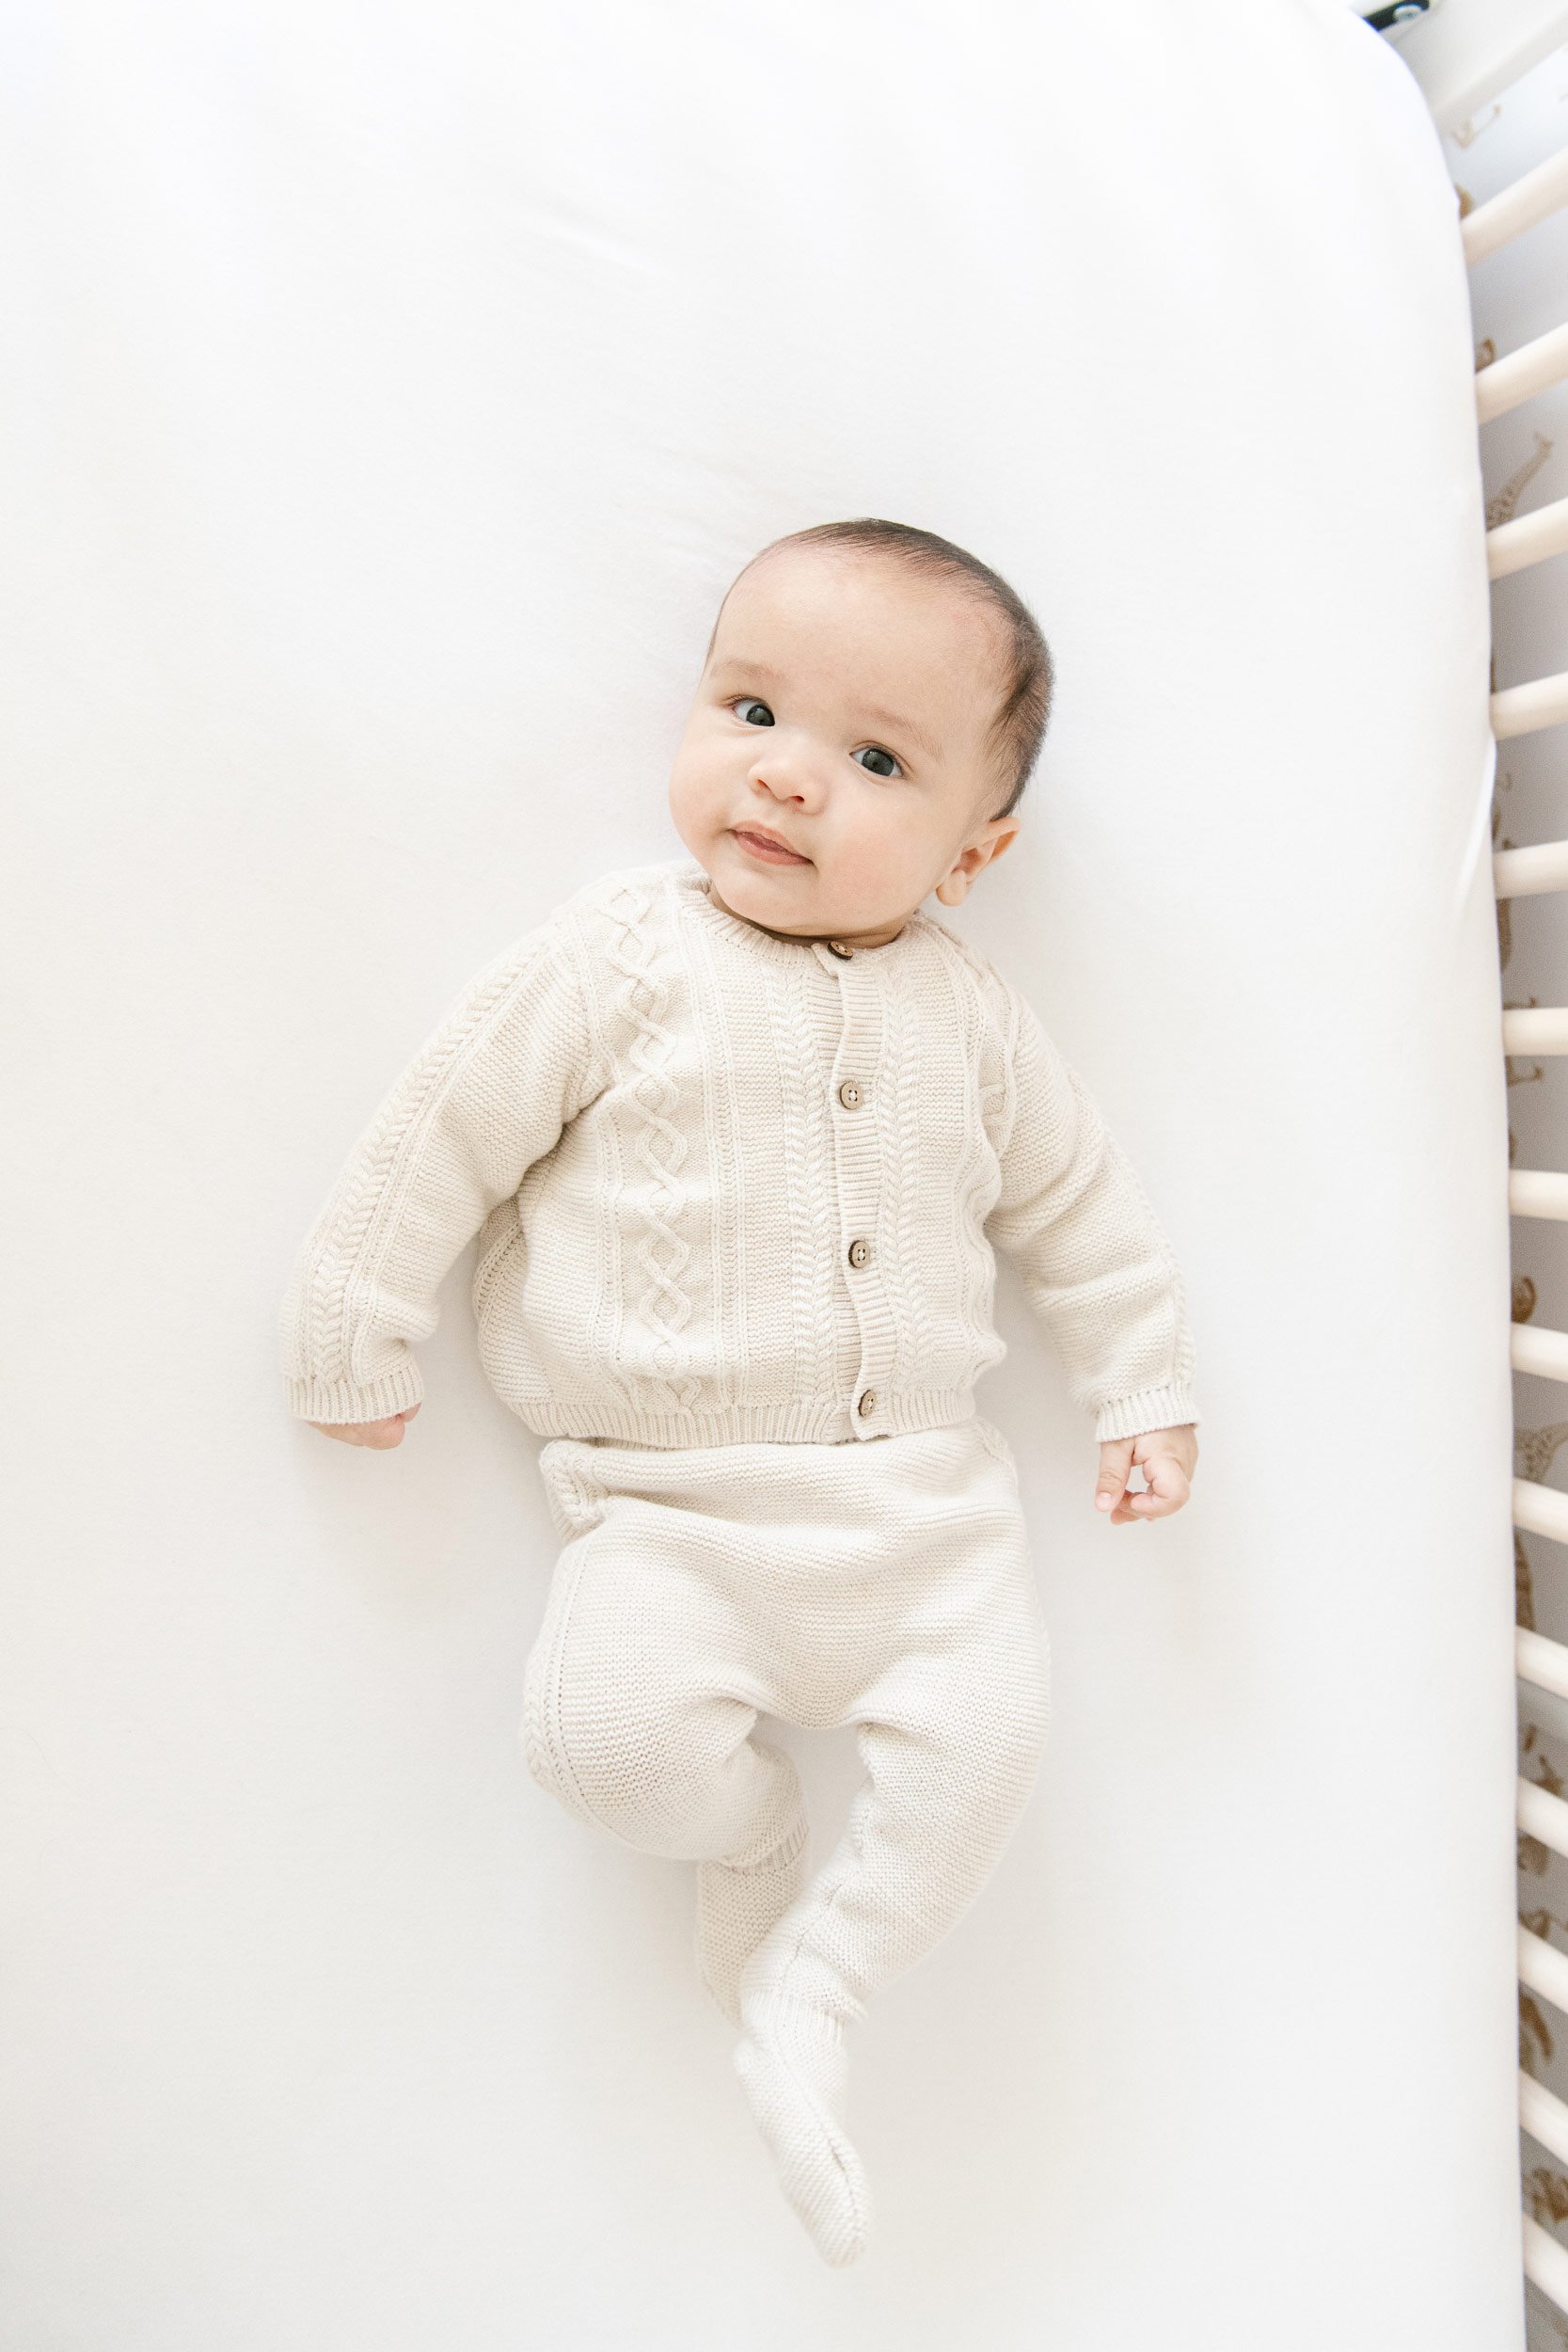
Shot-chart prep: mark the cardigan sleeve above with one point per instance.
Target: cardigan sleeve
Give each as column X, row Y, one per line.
column 1096, row 1267
column 489, row 1093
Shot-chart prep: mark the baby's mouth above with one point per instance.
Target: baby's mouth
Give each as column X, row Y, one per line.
column 771, row 853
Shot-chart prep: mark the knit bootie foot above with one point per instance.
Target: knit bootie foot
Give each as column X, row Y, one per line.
column 794, row 2069
column 737, row 1910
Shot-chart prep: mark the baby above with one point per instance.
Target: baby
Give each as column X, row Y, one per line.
column 737, row 1132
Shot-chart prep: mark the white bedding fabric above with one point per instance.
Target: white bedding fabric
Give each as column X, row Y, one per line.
column 390, row 396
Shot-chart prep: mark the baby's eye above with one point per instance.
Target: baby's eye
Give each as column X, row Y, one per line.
column 749, row 702
column 876, row 752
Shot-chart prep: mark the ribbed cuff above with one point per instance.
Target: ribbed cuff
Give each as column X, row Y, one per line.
column 1151, row 1409
column 340, row 1400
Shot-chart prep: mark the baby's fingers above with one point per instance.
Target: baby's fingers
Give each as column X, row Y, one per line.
column 1166, row 1491
column 1116, row 1461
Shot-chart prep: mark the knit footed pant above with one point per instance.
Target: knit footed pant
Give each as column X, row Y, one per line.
column 885, row 1582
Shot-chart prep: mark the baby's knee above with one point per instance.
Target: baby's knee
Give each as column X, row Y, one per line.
column 622, row 1763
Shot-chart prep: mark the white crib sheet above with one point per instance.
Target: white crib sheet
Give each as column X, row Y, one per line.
column 394, row 392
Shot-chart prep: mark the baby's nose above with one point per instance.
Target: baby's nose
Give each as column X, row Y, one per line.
column 789, row 778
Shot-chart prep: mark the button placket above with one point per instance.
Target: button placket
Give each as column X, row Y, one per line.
column 858, row 1167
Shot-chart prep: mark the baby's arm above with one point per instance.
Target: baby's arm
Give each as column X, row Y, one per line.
column 487, row 1095
column 1100, row 1273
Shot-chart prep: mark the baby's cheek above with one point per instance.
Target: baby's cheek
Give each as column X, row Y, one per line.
column 881, row 858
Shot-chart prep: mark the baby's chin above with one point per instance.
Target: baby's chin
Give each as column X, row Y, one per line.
column 789, row 895
column 780, row 897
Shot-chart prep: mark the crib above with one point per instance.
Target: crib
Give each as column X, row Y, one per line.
column 1493, row 76
column 391, row 395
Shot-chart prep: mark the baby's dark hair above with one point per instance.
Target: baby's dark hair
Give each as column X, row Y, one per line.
column 1017, row 729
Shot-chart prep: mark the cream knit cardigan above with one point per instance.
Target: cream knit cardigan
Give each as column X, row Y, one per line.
column 732, row 1187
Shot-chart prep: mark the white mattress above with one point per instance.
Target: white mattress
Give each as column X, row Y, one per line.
column 392, row 395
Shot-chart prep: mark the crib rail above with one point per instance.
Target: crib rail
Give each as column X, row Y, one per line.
column 1528, row 539
column 1543, row 1352
column 1543, row 1029
column 1465, row 52
column 1536, row 1029
column 1516, row 209
column 1537, row 1192
column 1520, row 709
column 1543, row 1509
column 1544, row 1816
column 1546, row 2262
column 1519, row 373
column 1543, row 1662
column 1543, row 2114
column 1520, row 873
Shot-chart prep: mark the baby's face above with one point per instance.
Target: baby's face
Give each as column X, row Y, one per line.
column 845, row 708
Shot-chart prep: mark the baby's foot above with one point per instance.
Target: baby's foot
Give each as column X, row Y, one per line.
column 794, row 2068
column 737, row 1910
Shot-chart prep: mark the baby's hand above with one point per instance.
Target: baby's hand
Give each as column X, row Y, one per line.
column 1167, row 1458
column 374, row 1433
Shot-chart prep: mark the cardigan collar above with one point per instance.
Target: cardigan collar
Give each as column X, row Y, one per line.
column 692, row 883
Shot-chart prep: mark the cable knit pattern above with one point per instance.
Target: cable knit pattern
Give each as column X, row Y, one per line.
column 661, row 1147
column 730, row 1186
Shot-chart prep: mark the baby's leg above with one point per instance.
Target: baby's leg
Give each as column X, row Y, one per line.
column 740, row 1900
column 641, row 1692
column 951, row 1731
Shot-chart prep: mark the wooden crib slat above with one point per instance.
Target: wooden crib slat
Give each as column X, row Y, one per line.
column 1515, row 208
column 1537, row 1192
column 1527, row 539
column 1546, row 2263
column 1544, row 1816
column 1543, row 1509
column 1532, row 1347
column 1519, row 373
column 1543, row 2115
column 1535, row 1029
column 1542, row 1967
column 1466, row 51
column 1540, row 1662
column 1521, row 709
column 1521, row 873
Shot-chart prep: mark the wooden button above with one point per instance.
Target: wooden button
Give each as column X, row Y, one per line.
column 837, row 948
column 859, row 1252
column 849, row 1095
column 868, row 1403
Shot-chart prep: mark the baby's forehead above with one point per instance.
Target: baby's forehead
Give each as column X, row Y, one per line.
column 844, row 582
column 871, row 578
